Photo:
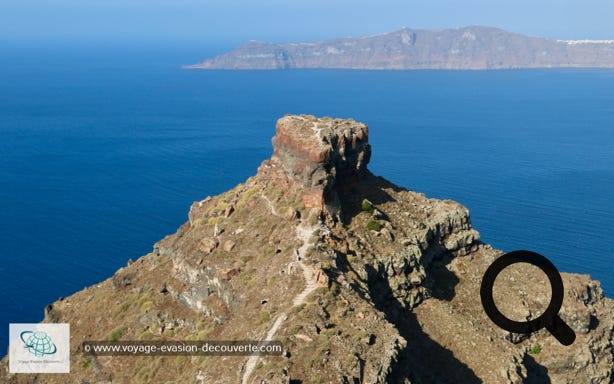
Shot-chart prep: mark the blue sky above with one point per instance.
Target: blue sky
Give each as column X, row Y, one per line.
column 233, row 21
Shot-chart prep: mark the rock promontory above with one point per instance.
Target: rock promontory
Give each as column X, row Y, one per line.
column 360, row 280
column 321, row 155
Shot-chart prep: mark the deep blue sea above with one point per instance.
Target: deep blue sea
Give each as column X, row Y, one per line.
column 103, row 149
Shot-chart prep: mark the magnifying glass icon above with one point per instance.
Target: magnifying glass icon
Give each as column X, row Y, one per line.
column 549, row 319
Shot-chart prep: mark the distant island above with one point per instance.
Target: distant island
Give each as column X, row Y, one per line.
column 473, row 47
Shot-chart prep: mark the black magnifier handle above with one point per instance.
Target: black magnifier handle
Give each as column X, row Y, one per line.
column 561, row 331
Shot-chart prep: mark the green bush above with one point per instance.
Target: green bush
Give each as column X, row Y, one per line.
column 117, row 333
column 366, row 206
column 374, row 225
column 536, row 349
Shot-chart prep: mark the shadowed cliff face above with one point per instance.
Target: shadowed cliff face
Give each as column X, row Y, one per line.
column 464, row 48
column 361, row 281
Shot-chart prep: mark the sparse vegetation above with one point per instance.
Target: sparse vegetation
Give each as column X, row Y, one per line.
column 335, row 288
column 117, row 333
column 122, row 308
column 535, row 350
column 351, row 275
column 145, row 335
column 374, row 225
column 272, row 280
column 264, row 317
column 202, row 325
column 146, row 306
column 313, row 219
column 295, row 309
column 366, row 206
column 180, row 360
column 202, row 335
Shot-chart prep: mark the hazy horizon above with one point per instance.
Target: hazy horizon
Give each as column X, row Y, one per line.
column 191, row 21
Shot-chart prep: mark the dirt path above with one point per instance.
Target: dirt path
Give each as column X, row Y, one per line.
column 304, row 232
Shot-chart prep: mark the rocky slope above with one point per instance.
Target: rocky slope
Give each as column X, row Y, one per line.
column 362, row 281
column 464, row 48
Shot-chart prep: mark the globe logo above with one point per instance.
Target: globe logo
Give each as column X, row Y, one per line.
column 38, row 343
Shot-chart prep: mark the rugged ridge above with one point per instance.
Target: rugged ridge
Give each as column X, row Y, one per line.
column 361, row 281
column 471, row 47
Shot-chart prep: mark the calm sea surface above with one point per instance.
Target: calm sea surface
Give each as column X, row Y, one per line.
column 103, row 150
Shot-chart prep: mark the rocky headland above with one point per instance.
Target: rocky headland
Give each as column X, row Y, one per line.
column 362, row 281
column 472, row 47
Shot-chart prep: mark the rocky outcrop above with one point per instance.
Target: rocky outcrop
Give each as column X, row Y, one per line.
column 320, row 155
column 464, row 48
column 359, row 279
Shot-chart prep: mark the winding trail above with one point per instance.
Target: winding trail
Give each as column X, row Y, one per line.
column 304, row 232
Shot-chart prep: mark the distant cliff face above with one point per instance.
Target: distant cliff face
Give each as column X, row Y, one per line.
column 361, row 281
column 464, row 48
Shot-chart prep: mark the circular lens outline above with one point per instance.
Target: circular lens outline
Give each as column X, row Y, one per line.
column 549, row 319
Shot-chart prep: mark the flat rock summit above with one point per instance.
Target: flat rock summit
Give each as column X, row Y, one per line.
column 473, row 47
column 360, row 280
